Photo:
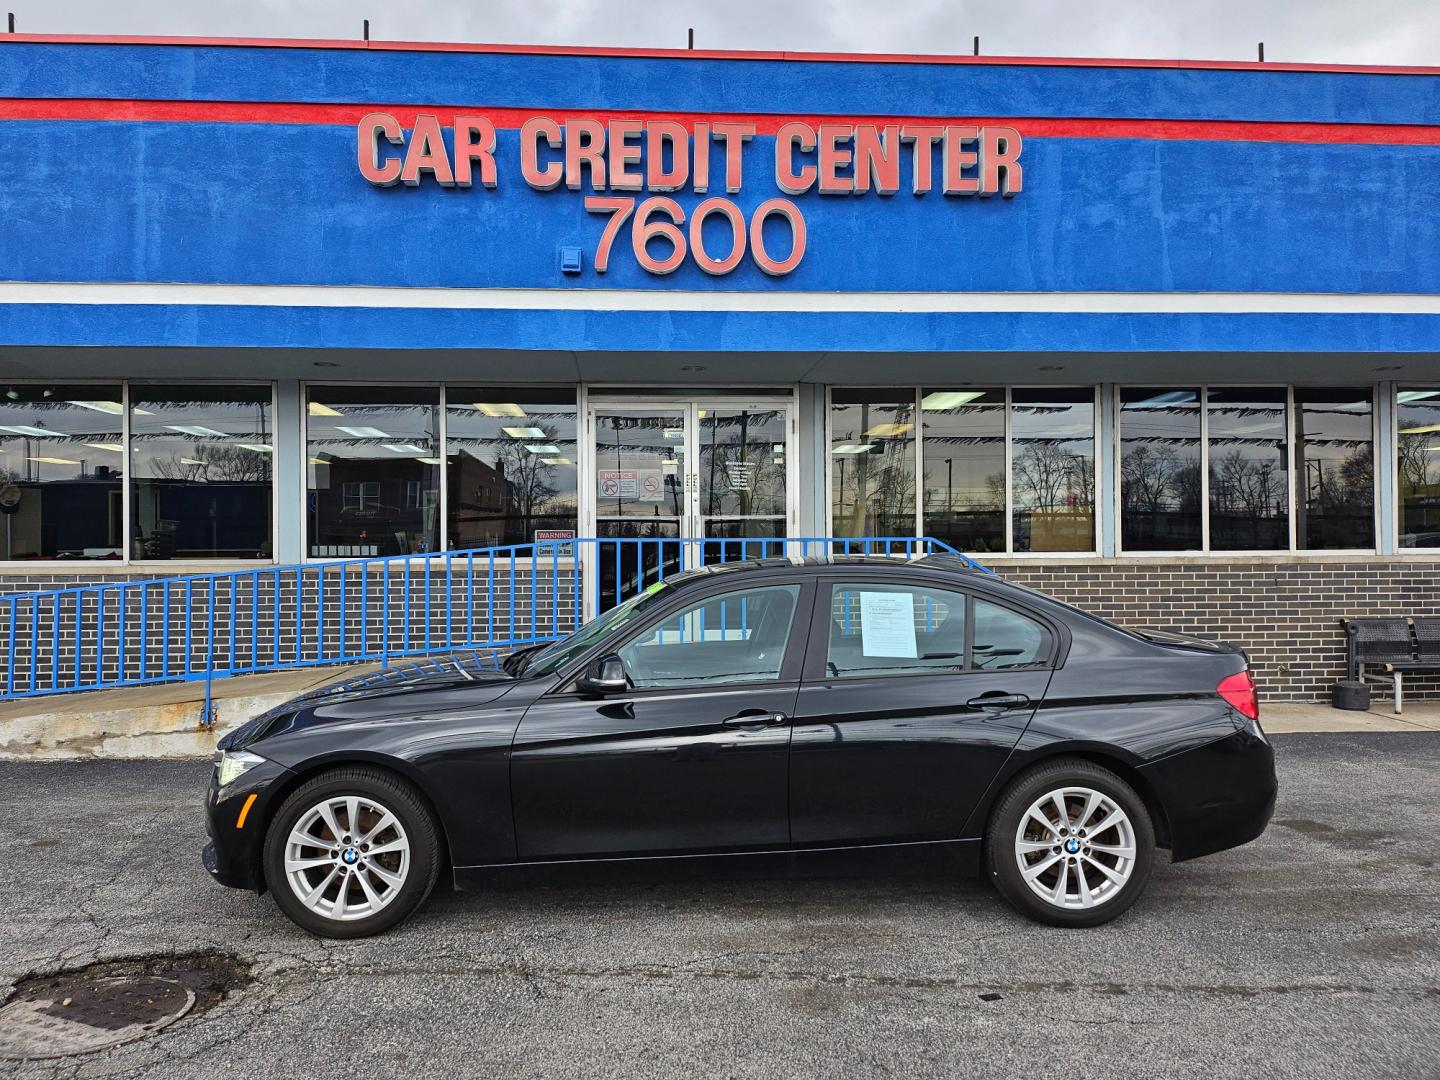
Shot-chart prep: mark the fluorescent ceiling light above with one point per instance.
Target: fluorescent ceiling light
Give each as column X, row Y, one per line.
column 404, row 448
column 854, row 448
column 119, row 449
column 557, row 461
column 54, row 460
column 524, row 432
column 317, row 409
column 888, row 431
column 428, row 460
column 542, row 448
column 114, row 408
column 1169, row 397
column 362, row 432
column 949, row 399
column 21, row 429
column 319, row 461
column 1424, row 429
column 1406, row 396
column 499, row 408
column 196, row 430
column 258, row 447
column 191, row 461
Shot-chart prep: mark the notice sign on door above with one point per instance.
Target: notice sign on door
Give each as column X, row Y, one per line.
column 887, row 624
column 634, row 485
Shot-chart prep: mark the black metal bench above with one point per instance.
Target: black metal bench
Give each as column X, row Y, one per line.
column 1396, row 647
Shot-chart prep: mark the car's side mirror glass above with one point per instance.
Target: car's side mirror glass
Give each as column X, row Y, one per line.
column 604, row 676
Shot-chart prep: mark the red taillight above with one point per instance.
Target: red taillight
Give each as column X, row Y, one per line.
column 1239, row 691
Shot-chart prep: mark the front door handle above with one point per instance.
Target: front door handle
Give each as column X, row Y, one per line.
column 997, row 699
column 755, row 718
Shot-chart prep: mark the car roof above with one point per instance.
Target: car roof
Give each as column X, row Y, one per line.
column 866, row 563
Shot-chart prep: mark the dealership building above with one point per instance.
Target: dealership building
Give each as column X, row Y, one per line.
column 1159, row 338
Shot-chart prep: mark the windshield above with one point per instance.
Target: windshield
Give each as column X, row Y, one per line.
column 553, row 657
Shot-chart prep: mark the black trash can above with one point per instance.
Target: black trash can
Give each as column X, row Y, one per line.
column 1351, row 694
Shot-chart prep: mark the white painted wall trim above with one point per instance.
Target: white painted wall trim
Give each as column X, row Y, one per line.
column 344, row 296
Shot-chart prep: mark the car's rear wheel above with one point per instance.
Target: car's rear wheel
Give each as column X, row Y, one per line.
column 351, row 853
column 1070, row 844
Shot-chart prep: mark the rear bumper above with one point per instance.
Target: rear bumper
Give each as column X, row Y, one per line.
column 1217, row 796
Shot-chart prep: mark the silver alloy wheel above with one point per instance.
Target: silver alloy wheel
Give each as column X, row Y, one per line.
column 347, row 857
column 1075, row 848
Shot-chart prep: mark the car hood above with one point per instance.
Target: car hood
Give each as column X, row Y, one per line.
column 483, row 684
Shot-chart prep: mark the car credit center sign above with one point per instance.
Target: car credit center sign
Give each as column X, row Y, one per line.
column 633, row 155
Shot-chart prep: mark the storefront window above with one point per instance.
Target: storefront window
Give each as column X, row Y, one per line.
column 510, row 458
column 872, row 462
column 1418, row 416
column 1249, row 468
column 61, row 461
column 1334, row 468
column 963, row 501
column 1052, row 461
column 374, row 470
column 1160, row 469
column 201, row 459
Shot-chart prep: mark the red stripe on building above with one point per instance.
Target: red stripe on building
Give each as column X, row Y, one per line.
column 260, row 112
column 712, row 54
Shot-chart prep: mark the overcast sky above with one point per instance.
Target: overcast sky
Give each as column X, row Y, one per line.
column 1336, row 31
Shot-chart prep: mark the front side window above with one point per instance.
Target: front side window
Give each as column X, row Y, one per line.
column 1418, row 415
column 1334, row 468
column 872, row 462
column 1160, row 469
column 373, row 470
column 201, row 459
column 61, row 462
column 510, row 471
column 735, row 637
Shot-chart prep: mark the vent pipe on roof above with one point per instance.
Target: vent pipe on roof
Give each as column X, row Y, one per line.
column 691, row 44
column 1262, row 52
column 977, row 44
column 367, row 30
column 12, row 22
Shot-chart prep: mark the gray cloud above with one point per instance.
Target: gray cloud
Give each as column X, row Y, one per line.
column 1337, row 31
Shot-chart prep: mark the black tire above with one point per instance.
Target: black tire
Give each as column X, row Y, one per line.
column 394, row 794
column 1005, row 820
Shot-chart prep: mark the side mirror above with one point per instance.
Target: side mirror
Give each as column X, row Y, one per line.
column 604, row 676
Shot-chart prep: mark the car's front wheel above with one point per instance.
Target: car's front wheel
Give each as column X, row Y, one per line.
column 1070, row 844
column 351, row 852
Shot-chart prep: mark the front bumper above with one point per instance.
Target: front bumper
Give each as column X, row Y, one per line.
column 236, row 825
column 1217, row 796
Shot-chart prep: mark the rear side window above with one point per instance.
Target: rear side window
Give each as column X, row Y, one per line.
column 913, row 630
column 895, row 630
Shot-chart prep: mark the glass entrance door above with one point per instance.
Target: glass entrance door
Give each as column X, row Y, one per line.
column 709, row 469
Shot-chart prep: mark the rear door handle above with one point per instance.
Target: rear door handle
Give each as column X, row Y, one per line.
column 755, row 718
column 998, row 700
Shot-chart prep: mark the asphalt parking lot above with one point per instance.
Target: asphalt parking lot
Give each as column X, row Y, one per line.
column 1313, row 952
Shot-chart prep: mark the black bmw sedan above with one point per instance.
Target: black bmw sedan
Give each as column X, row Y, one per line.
column 770, row 707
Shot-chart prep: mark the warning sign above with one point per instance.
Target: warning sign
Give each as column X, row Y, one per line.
column 619, row 483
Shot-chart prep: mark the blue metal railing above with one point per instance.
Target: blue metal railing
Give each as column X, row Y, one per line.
column 204, row 627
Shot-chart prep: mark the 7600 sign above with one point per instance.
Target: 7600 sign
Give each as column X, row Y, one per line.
column 660, row 218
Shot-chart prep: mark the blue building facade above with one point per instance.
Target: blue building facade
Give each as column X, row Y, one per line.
column 1162, row 338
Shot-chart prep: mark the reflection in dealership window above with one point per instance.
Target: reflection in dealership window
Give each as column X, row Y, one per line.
column 509, row 464
column 1160, row 469
column 1249, row 468
column 872, row 462
column 201, row 458
column 373, row 470
column 964, row 467
column 1418, row 416
column 1052, row 449
column 1334, row 468
column 61, row 460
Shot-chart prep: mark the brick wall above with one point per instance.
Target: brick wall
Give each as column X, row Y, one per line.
column 1284, row 611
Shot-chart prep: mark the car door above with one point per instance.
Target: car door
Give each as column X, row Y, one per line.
column 914, row 694
column 693, row 758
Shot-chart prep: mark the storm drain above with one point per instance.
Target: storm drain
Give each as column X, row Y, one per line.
column 104, row 1005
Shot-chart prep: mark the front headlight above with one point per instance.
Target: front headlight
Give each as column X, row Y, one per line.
column 230, row 765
